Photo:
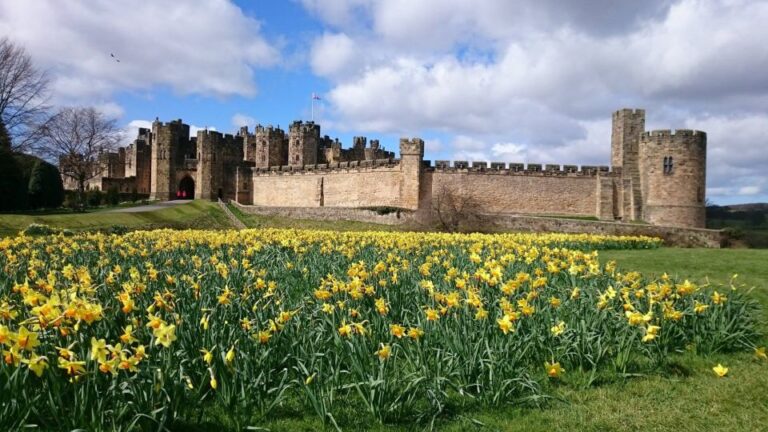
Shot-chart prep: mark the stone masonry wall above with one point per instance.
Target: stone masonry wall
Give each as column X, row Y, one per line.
column 352, row 187
column 513, row 193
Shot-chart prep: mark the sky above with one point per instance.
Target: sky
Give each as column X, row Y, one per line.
column 486, row 80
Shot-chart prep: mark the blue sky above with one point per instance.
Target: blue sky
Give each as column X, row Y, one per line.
column 494, row 80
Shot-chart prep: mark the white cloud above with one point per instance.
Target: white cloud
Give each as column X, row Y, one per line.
column 333, row 55
column 547, row 75
column 239, row 120
column 193, row 47
column 432, row 145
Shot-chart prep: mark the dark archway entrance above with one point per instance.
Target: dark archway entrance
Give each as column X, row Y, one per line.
column 186, row 188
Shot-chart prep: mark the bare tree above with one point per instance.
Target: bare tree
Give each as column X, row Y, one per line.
column 23, row 95
column 455, row 210
column 77, row 138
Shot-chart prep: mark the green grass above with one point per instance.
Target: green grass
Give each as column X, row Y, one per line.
column 683, row 396
column 197, row 214
column 259, row 221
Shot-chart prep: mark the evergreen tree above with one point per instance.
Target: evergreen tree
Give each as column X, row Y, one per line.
column 5, row 138
column 13, row 191
column 46, row 189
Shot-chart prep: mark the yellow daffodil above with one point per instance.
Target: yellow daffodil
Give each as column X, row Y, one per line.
column 720, row 370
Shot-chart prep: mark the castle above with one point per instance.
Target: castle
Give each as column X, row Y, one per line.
column 657, row 177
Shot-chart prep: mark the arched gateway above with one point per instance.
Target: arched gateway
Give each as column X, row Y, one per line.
column 186, row 188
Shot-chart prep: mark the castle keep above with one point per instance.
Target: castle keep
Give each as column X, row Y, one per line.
column 657, row 177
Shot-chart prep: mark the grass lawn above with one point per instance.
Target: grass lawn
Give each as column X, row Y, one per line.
column 259, row 221
column 197, row 214
column 684, row 396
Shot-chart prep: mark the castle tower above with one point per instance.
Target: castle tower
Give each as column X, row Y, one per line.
column 673, row 177
column 411, row 157
column 628, row 125
column 303, row 142
column 209, row 165
column 270, row 147
column 168, row 139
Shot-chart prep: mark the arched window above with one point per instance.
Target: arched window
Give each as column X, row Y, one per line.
column 668, row 165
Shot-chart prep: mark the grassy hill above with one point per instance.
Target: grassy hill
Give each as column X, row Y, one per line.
column 197, row 214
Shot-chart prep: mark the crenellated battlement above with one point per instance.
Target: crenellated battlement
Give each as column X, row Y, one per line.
column 629, row 112
column 309, row 127
column 514, row 168
column 328, row 167
column 663, row 133
column 413, row 147
column 269, row 130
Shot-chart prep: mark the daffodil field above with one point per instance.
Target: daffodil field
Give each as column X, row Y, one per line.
column 135, row 331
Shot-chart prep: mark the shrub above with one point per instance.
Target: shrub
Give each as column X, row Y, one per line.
column 112, row 197
column 46, row 190
column 94, row 198
column 39, row 229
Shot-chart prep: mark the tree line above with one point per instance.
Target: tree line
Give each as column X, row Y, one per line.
column 41, row 144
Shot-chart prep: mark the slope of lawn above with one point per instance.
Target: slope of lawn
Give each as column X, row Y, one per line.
column 197, row 214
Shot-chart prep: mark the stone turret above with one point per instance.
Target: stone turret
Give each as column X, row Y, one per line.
column 168, row 139
column 411, row 157
column 672, row 170
column 303, row 143
column 271, row 147
column 628, row 125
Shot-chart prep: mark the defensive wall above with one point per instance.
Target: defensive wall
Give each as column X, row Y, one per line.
column 415, row 184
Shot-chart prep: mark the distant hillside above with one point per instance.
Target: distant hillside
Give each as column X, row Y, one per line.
column 761, row 207
column 748, row 223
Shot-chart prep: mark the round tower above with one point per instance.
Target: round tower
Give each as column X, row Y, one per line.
column 673, row 177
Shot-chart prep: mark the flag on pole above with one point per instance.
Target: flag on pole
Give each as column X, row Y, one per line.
column 315, row 96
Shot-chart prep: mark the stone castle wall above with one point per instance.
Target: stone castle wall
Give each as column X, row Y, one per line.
column 656, row 177
column 324, row 186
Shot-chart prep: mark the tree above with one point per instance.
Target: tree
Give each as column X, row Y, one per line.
column 13, row 190
column 5, row 139
column 46, row 189
column 23, row 95
column 456, row 210
column 77, row 137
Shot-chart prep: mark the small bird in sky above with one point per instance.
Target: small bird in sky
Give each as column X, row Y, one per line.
column 113, row 56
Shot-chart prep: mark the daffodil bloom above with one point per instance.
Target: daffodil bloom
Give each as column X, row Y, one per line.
column 760, row 353
column 432, row 314
column 397, row 330
column 345, row 330
column 558, row 329
column 699, row 307
column 720, row 370
column 73, row 368
column 384, row 351
column 415, row 333
column 505, row 324
column 165, row 335
column 37, row 364
column 651, row 332
column 718, row 298
column 230, row 356
column 26, row 340
column 264, row 336
column 554, row 370
column 207, row 356
column 99, row 349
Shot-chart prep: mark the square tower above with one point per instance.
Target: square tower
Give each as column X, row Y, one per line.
column 303, row 143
